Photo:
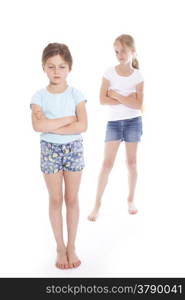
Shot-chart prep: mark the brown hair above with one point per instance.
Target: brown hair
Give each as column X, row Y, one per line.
column 53, row 49
column 128, row 40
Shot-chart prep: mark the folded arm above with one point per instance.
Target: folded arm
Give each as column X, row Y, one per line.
column 76, row 127
column 104, row 97
column 134, row 100
column 41, row 123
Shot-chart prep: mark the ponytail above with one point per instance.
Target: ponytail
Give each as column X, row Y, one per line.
column 135, row 63
column 128, row 40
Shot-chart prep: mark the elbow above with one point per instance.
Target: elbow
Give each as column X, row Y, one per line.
column 139, row 106
column 39, row 125
column 35, row 128
column 102, row 100
column 84, row 128
column 38, row 129
column 139, row 103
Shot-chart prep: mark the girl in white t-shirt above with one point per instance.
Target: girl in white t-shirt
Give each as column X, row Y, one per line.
column 122, row 92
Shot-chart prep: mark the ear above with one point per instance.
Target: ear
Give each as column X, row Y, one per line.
column 43, row 68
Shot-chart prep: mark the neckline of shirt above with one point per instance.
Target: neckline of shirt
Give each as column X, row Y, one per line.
column 123, row 75
column 53, row 94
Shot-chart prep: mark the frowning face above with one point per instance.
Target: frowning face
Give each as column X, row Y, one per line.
column 57, row 69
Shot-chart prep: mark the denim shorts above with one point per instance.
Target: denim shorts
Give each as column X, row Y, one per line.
column 128, row 130
column 55, row 157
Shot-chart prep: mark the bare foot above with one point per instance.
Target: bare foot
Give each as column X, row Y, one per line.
column 131, row 208
column 73, row 259
column 62, row 261
column 94, row 214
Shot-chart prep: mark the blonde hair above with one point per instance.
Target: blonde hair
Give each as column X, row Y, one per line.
column 128, row 40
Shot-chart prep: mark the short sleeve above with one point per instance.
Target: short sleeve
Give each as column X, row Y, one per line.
column 36, row 99
column 78, row 96
column 108, row 74
column 140, row 77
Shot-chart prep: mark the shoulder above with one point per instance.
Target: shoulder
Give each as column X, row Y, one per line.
column 77, row 95
column 75, row 91
column 37, row 97
column 39, row 93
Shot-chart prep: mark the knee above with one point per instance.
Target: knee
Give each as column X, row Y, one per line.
column 71, row 201
column 55, row 202
column 107, row 165
column 131, row 163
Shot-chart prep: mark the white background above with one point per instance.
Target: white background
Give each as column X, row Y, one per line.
column 150, row 244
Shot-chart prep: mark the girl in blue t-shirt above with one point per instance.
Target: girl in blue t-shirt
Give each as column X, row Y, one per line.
column 59, row 113
column 122, row 92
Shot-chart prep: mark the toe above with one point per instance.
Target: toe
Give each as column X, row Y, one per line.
column 91, row 218
column 78, row 263
column 57, row 265
column 133, row 211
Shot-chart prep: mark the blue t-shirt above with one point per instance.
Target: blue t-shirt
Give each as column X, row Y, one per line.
column 58, row 106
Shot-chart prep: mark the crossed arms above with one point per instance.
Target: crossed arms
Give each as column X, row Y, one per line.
column 66, row 125
column 134, row 100
column 77, row 124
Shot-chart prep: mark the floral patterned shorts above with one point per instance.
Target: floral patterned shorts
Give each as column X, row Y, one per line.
column 56, row 157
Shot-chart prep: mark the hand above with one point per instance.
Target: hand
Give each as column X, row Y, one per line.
column 71, row 119
column 134, row 95
column 113, row 94
column 67, row 121
column 40, row 115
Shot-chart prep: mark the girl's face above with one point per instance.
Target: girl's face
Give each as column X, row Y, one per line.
column 56, row 69
column 124, row 54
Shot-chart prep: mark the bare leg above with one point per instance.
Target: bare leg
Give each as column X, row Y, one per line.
column 131, row 153
column 72, row 184
column 54, row 186
column 110, row 152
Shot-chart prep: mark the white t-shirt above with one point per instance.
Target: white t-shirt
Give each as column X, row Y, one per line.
column 123, row 85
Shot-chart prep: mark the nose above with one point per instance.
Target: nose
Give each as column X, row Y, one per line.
column 56, row 70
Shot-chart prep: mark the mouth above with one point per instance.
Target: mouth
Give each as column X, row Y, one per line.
column 56, row 77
